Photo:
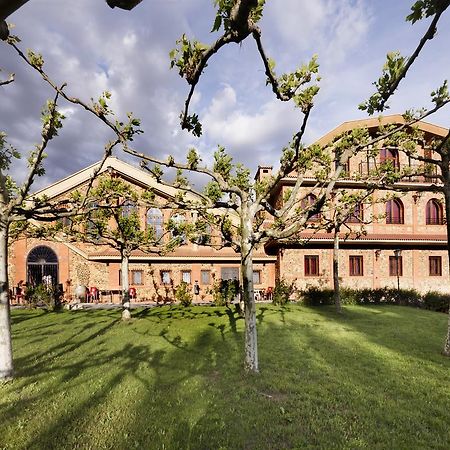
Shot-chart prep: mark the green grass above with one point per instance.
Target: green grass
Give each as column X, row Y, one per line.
column 172, row 378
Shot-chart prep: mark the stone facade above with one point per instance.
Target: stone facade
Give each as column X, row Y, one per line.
column 365, row 261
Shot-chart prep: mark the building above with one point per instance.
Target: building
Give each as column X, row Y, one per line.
column 406, row 248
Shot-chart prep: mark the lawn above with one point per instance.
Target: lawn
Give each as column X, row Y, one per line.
column 172, row 378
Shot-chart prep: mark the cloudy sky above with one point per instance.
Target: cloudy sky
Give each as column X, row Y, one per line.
column 94, row 48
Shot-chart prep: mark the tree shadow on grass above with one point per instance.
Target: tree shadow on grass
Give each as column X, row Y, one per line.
column 318, row 388
column 389, row 326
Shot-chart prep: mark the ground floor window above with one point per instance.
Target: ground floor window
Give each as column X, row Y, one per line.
column 256, row 277
column 186, row 276
column 395, row 266
column 205, row 277
column 355, row 265
column 165, row 277
column 311, row 265
column 435, row 263
column 137, row 277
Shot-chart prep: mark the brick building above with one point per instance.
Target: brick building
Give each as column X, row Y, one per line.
column 407, row 247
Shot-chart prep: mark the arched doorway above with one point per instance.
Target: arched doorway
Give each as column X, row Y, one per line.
column 42, row 266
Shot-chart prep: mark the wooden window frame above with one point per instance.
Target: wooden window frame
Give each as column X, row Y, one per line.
column 435, row 266
column 356, row 266
column 311, row 270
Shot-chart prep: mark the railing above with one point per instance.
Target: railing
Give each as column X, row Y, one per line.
column 420, row 173
column 435, row 221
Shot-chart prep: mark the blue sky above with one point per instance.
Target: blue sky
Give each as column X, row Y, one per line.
column 94, row 48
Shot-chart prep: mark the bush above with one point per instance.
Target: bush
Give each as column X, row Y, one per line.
column 282, row 291
column 225, row 291
column 40, row 295
column 314, row 296
column 183, row 294
column 435, row 301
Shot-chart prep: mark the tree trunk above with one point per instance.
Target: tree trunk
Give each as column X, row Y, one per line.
column 251, row 337
column 6, row 361
column 337, row 292
column 126, row 314
column 446, row 350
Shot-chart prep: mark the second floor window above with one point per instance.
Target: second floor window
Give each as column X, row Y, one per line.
column 434, row 213
column 178, row 220
column 155, row 220
column 311, row 265
column 356, row 215
column 390, row 155
column 394, row 211
column 128, row 208
column 308, row 202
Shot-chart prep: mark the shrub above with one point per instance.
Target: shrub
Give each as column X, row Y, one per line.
column 225, row 291
column 314, row 296
column 436, row 301
column 282, row 291
column 183, row 294
column 40, row 295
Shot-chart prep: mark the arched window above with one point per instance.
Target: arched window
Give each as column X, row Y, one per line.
column 434, row 214
column 394, row 211
column 204, row 236
column 178, row 220
column 390, row 155
column 42, row 266
column 307, row 202
column 357, row 214
column 155, row 220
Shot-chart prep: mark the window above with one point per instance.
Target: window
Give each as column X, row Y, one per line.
column 229, row 273
column 308, row 202
column 256, row 277
column 395, row 266
column 128, row 208
column 356, row 266
column 435, row 263
column 177, row 221
column 155, row 220
column 186, row 276
column 137, row 277
column 205, row 277
column 345, row 168
column 434, row 213
column 311, row 265
column 394, row 211
column 165, row 277
column 390, row 155
column 357, row 214
column 204, row 236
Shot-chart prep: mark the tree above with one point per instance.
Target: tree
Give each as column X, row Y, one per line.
column 113, row 219
column 7, row 7
column 231, row 187
column 14, row 207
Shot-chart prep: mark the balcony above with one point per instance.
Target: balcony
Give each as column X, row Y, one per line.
column 428, row 174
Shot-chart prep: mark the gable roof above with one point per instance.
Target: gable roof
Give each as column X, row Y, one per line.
column 375, row 122
column 125, row 170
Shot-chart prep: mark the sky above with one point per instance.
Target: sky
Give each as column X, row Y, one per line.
column 94, row 48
